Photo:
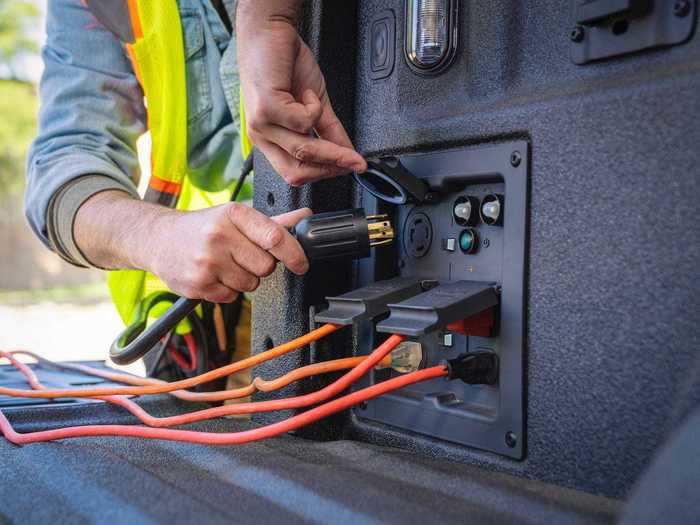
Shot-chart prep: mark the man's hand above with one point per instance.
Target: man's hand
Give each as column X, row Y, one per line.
column 215, row 253
column 288, row 113
column 211, row 254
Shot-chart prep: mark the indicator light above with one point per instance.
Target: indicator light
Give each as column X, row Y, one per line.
column 447, row 340
column 468, row 240
column 492, row 210
column 466, row 211
column 431, row 34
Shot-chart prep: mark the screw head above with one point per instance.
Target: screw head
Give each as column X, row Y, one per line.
column 511, row 439
column 681, row 8
column 486, row 243
column 515, row 159
column 577, row 34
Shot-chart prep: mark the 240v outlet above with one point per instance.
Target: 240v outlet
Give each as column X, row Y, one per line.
column 417, row 235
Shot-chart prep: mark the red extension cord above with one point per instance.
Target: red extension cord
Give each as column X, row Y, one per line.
column 231, row 438
column 243, row 437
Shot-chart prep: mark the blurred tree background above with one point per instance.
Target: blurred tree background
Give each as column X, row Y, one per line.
column 16, row 18
column 18, row 100
column 18, row 107
column 26, row 264
column 44, row 301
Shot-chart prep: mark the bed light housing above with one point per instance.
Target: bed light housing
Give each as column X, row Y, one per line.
column 431, row 35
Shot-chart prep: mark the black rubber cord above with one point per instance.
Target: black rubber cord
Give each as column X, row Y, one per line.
column 246, row 169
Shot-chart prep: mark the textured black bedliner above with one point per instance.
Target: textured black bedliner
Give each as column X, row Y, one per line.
column 283, row 480
column 613, row 295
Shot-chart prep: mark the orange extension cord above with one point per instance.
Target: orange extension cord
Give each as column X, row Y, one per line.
column 231, row 438
column 121, row 401
column 163, row 388
column 296, row 402
column 258, row 384
column 324, row 367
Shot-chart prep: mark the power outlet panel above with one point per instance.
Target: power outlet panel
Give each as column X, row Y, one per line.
column 429, row 247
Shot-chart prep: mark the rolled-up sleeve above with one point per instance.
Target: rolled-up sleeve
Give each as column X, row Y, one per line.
column 91, row 115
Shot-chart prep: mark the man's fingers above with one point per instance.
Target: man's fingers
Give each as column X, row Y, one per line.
column 270, row 236
column 219, row 293
column 236, row 278
column 307, row 149
column 281, row 109
column 252, row 258
column 293, row 171
column 331, row 129
column 281, row 132
column 291, row 218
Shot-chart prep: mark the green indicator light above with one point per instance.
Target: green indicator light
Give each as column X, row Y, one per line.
column 468, row 241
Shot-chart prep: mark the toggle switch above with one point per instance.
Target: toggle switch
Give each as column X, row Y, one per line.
column 449, row 244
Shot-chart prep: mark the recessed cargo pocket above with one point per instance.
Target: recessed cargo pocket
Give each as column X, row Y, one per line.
column 198, row 89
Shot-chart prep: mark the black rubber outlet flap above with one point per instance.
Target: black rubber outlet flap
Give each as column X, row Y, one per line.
column 436, row 308
column 368, row 302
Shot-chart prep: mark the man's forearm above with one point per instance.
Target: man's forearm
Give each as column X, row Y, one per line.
column 112, row 229
column 253, row 15
column 210, row 254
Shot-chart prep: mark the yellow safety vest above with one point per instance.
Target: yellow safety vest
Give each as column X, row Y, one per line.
column 158, row 58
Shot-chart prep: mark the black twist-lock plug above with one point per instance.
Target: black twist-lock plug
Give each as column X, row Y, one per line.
column 344, row 234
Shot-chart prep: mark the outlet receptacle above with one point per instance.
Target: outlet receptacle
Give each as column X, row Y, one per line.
column 418, row 235
column 490, row 251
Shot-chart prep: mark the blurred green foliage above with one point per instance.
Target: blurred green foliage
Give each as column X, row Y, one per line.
column 16, row 18
column 18, row 108
column 18, row 101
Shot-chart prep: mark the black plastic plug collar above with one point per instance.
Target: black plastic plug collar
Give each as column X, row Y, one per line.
column 334, row 235
column 474, row 368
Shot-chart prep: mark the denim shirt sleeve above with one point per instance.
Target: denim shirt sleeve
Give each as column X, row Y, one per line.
column 92, row 111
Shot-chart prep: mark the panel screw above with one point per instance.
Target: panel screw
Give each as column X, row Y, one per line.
column 681, row 8
column 511, row 439
column 515, row 159
column 577, row 34
column 486, row 243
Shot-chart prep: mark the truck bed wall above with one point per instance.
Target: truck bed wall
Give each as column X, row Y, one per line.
column 612, row 270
